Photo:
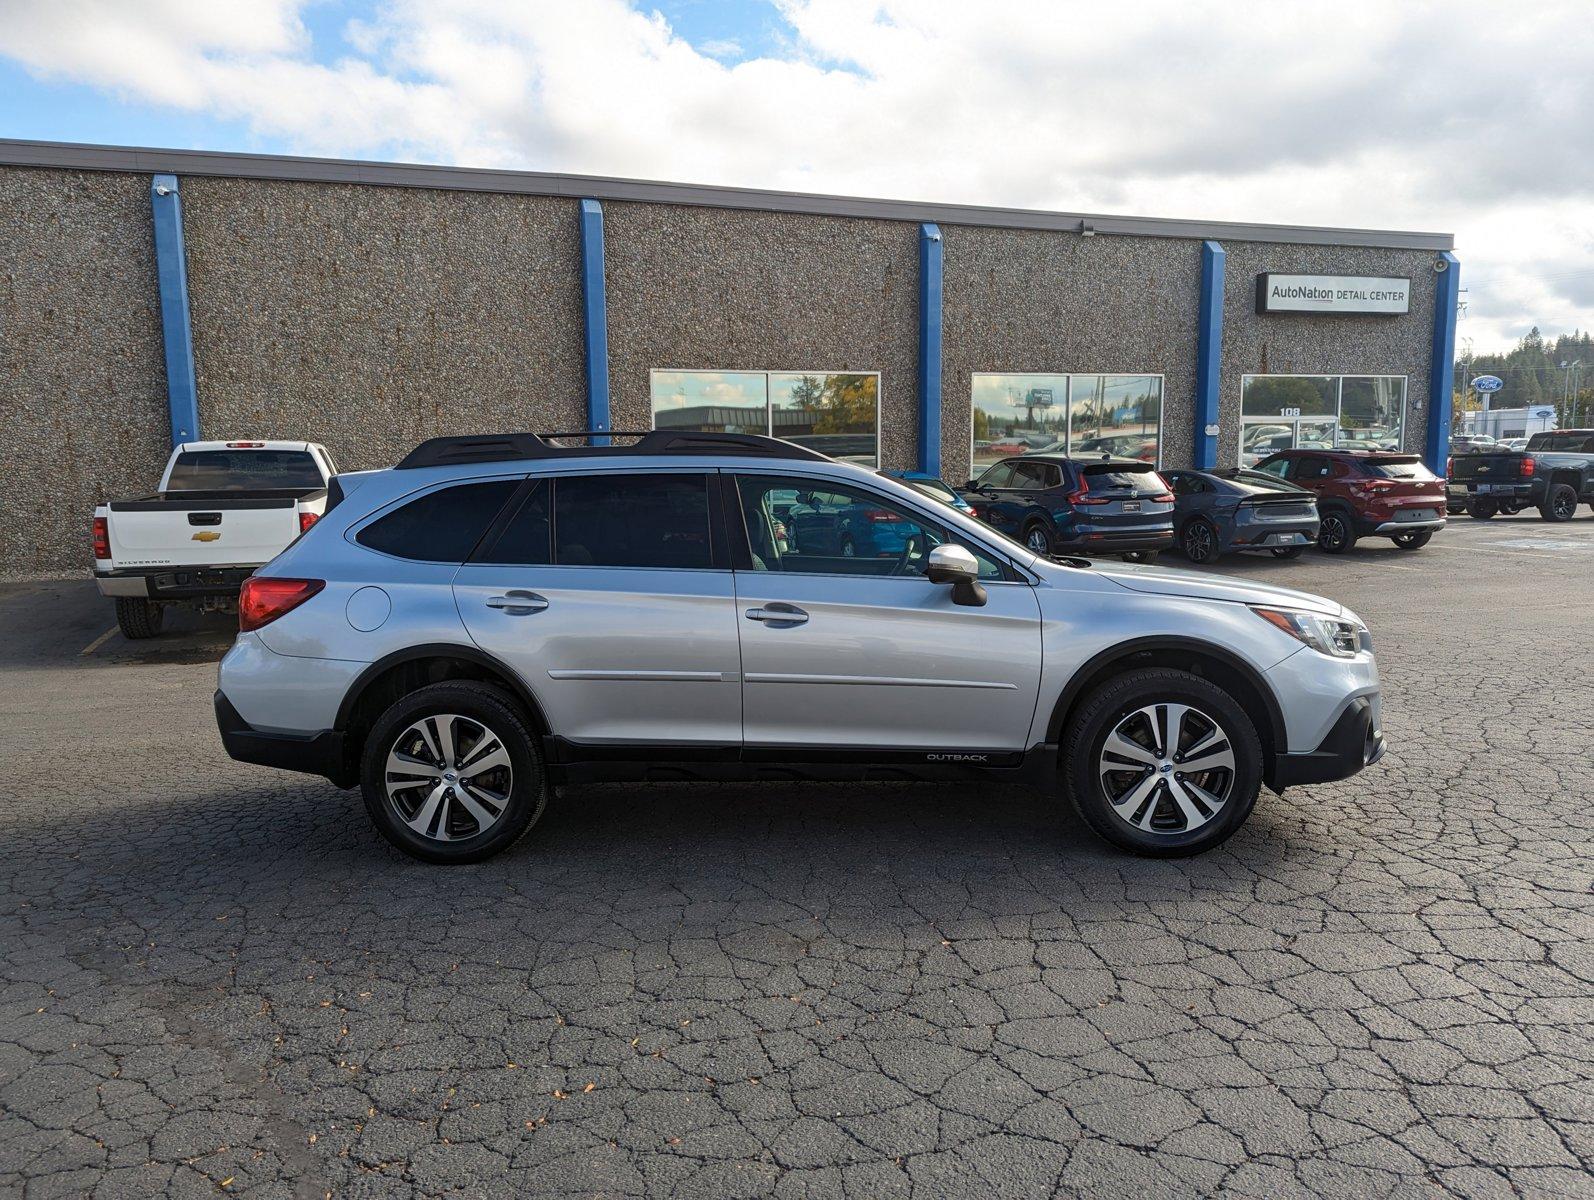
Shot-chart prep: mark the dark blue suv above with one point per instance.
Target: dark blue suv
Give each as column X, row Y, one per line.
column 1060, row 505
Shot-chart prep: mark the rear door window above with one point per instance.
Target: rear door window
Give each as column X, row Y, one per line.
column 632, row 520
column 441, row 526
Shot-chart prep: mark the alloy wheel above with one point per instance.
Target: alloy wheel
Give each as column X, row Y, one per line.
column 1166, row 768
column 1037, row 541
column 448, row 777
column 1198, row 542
column 1565, row 504
column 1331, row 534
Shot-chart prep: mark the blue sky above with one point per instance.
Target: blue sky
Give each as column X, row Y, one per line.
column 1351, row 114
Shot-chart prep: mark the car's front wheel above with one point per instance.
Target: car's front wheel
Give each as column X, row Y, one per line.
column 451, row 773
column 1162, row 762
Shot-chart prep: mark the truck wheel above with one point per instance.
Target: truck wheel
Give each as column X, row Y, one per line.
column 138, row 618
column 1335, row 533
column 1162, row 763
column 1413, row 541
column 1482, row 510
column 1560, row 504
column 1200, row 542
column 451, row 773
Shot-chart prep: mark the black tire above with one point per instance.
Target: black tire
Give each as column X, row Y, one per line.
column 1102, row 710
column 1560, row 504
column 1141, row 556
column 1199, row 541
column 138, row 618
column 1288, row 551
column 1509, row 510
column 1482, row 510
column 1034, row 532
column 1415, row 540
column 498, row 712
column 1335, row 533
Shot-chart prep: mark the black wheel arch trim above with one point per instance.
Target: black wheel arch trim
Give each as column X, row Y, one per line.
column 1126, row 651
column 433, row 650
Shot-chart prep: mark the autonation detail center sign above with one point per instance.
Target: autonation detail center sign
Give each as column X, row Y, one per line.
column 1332, row 294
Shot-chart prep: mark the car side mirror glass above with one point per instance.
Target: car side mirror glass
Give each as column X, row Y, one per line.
column 951, row 564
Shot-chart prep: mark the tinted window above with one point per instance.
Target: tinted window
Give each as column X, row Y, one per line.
column 1400, row 470
column 1107, row 478
column 243, row 470
column 1561, row 441
column 1312, row 467
column 527, row 538
column 999, row 476
column 441, row 526
column 632, row 521
column 1034, row 476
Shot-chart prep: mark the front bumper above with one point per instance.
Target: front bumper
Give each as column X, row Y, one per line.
column 174, row 583
column 1353, row 742
column 313, row 754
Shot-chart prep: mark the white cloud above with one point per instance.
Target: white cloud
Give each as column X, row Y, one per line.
column 1461, row 116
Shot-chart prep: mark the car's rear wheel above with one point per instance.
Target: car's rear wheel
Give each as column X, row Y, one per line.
column 451, row 773
column 1036, row 539
column 138, row 618
column 1415, row 540
column 1288, row 551
column 1142, row 556
column 1560, row 504
column 1482, row 510
column 1335, row 533
column 1162, row 762
column 1200, row 541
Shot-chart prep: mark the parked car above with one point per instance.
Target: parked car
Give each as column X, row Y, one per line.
column 495, row 616
column 932, row 486
column 1215, row 512
column 1120, row 445
column 1058, row 505
column 221, row 510
column 1366, row 495
column 1553, row 474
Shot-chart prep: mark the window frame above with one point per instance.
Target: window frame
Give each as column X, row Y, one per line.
column 1068, row 404
column 769, row 406
column 1295, row 423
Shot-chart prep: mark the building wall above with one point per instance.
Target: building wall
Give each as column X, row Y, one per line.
column 82, row 376
column 722, row 290
column 1026, row 301
column 1307, row 344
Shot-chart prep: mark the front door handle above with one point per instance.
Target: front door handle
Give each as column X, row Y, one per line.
column 778, row 615
column 518, row 603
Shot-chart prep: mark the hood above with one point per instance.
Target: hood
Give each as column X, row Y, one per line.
column 1170, row 581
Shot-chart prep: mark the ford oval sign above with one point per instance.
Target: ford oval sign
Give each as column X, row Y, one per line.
column 1487, row 383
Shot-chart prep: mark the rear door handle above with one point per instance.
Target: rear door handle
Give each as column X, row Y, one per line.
column 778, row 614
column 518, row 603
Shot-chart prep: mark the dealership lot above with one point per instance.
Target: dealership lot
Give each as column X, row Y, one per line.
column 219, row 977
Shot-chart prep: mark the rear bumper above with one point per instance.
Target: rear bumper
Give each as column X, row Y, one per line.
column 1409, row 526
column 312, row 754
column 1114, row 542
column 1353, row 742
column 174, row 583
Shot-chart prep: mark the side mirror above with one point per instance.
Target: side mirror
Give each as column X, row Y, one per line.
column 956, row 566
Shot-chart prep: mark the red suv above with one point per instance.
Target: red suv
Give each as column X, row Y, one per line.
column 1363, row 493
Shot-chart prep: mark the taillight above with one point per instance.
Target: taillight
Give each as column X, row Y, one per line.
column 264, row 598
column 102, row 538
column 1528, row 465
column 1450, row 466
column 306, row 519
column 881, row 516
column 1162, row 498
column 1081, row 494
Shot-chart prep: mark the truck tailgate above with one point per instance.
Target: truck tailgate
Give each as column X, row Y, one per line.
column 1484, row 468
column 205, row 532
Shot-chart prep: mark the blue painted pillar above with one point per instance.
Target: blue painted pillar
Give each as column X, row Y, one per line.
column 596, row 306
column 930, row 263
column 171, row 270
column 1442, row 366
column 1209, row 358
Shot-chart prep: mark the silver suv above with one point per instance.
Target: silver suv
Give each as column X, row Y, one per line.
column 498, row 615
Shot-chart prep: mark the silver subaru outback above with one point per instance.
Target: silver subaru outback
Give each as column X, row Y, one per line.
column 499, row 615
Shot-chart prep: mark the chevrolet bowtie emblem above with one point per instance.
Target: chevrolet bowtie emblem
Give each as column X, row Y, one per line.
column 206, row 535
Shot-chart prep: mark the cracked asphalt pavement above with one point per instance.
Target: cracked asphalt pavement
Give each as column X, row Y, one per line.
column 217, row 979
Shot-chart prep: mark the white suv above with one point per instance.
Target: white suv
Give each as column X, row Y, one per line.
column 497, row 615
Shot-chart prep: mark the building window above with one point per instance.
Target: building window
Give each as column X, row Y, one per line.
column 834, row 412
column 1350, row 412
column 1119, row 415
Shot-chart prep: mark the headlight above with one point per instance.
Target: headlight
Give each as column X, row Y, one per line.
column 1334, row 636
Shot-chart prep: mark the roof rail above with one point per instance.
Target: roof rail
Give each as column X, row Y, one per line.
column 513, row 447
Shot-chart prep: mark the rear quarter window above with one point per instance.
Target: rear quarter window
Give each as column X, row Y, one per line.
column 441, row 526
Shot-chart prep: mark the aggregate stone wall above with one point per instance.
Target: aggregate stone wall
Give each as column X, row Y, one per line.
column 370, row 318
column 1309, row 344
column 82, row 377
column 1021, row 300
column 721, row 289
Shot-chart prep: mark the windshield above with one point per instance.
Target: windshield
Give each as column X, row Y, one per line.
column 1400, row 469
column 244, row 471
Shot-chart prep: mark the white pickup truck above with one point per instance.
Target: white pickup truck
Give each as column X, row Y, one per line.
column 223, row 509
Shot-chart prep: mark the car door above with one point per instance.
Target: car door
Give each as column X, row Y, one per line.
column 863, row 653
column 609, row 593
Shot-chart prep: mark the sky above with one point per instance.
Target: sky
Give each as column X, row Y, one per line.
column 1464, row 117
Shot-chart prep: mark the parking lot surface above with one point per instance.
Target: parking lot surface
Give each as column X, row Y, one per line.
column 217, row 978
